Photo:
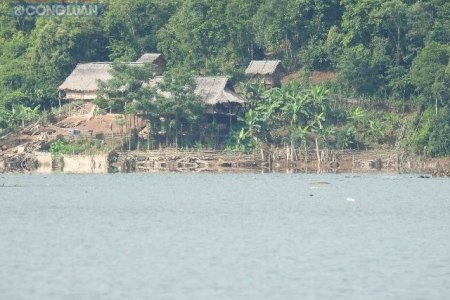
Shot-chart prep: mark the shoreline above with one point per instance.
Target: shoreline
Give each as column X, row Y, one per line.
column 278, row 160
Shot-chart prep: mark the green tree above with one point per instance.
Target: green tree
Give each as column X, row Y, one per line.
column 58, row 45
column 355, row 21
column 131, row 26
column 420, row 18
column 195, row 34
column 433, row 134
column 238, row 19
column 441, row 22
column 390, row 20
column 428, row 71
column 129, row 86
column 357, row 72
column 178, row 103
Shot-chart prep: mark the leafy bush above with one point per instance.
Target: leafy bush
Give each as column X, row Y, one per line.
column 346, row 137
column 433, row 135
column 60, row 146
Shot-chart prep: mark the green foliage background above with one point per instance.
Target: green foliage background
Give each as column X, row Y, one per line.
column 395, row 51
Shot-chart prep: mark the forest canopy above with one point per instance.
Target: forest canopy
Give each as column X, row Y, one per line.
column 395, row 50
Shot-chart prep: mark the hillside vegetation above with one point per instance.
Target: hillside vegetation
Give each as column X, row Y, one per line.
column 394, row 53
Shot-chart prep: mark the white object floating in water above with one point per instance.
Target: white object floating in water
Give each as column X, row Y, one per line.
column 350, row 199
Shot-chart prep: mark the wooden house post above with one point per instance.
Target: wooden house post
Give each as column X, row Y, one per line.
column 59, row 100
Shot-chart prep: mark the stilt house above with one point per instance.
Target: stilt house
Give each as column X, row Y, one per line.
column 155, row 58
column 268, row 72
column 218, row 93
column 81, row 84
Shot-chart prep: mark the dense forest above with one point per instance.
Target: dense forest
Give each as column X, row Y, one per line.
column 395, row 51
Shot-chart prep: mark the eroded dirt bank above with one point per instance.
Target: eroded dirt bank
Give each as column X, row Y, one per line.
column 21, row 154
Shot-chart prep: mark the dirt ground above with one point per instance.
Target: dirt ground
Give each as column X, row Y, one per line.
column 99, row 123
column 316, row 77
column 36, row 134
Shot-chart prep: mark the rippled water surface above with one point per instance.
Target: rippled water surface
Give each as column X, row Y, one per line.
column 224, row 236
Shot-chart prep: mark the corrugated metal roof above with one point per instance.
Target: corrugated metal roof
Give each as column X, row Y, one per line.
column 84, row 77
column 149, row 57
column 262, row 67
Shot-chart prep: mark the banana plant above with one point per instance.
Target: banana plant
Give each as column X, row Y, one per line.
column 269, row 111
column 240, row 140
column 347, row 136
column 296, row 108
column 375, row 130
column 319, row 98
column 28, row 114
column 254, row 92
column 249, row 133
column 4, row 117
column 271, row 104
column 13, row 117
column 359, row 116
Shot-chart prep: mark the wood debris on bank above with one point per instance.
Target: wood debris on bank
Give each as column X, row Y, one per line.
column 25, row 157
column 22, row 159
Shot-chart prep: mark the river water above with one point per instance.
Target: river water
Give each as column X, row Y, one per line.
column 224, row 236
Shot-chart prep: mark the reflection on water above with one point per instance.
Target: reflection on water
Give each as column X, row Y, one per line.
column 72, row 164
column 224, row 236
column 145, row 163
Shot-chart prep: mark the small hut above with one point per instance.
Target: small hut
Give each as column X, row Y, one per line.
column 155, row 58
column 216, row 90
column 269, row 72
column 81, row 84
column 218, row 94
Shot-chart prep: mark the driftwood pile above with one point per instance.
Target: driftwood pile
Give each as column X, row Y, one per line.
column 441, row 173
column 21, row 159
column 17, row 152
column 441, row 170
column 24, row 161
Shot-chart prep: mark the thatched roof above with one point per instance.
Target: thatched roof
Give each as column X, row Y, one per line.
column 149, row 57
column 84, row 77
column 217, row 90
column 212, row 90
column 263, row 67
column 84, row 80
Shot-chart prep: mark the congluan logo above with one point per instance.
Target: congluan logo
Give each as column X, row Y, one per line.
column 63, row 9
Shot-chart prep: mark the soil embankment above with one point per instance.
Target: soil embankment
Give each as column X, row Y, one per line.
column 19, row 149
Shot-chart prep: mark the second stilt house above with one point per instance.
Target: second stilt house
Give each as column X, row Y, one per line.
column 268, row 72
